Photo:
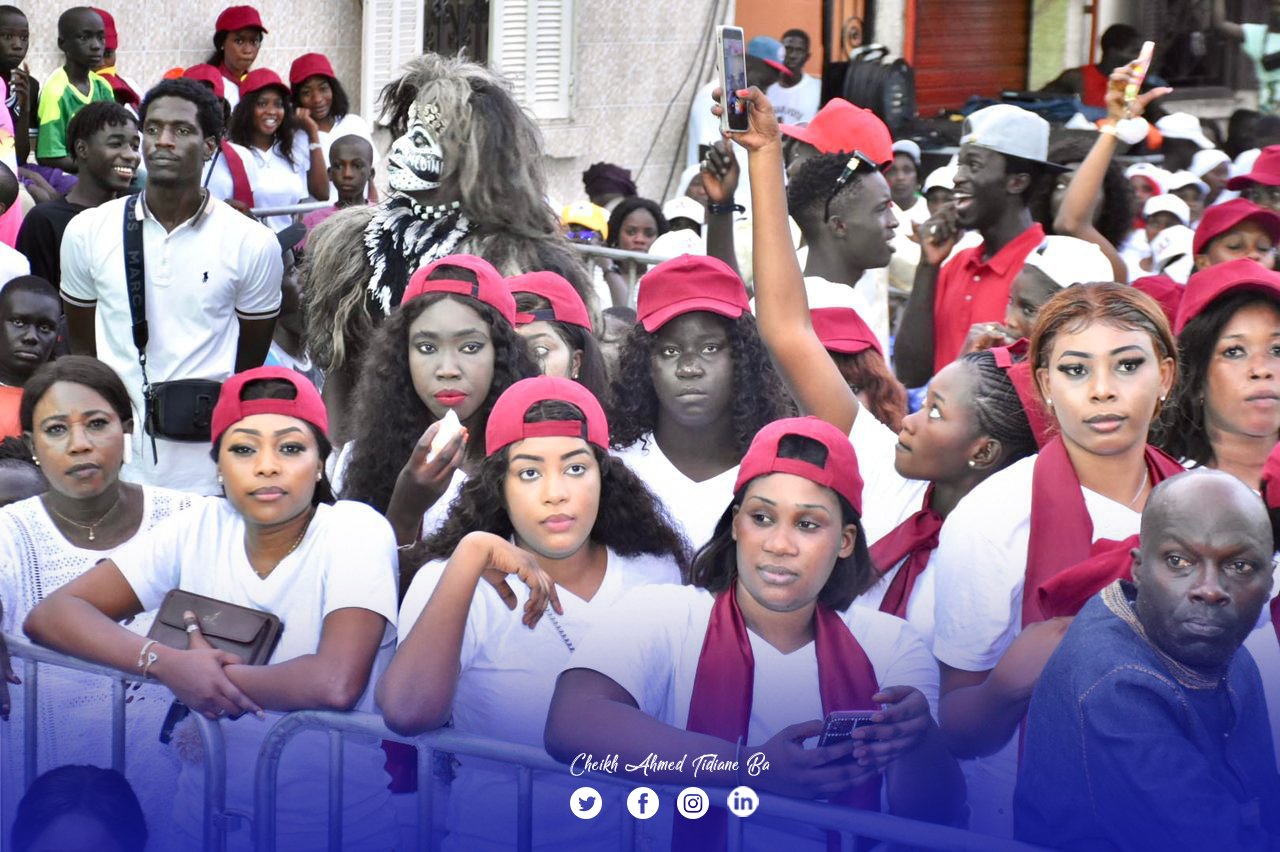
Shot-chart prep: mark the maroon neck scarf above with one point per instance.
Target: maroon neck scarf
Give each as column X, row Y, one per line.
column 1063, row 562
column 722, row 694
column 241, row 190
column 914, row 540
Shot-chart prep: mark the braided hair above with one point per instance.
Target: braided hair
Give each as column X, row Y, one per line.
column 998, row 409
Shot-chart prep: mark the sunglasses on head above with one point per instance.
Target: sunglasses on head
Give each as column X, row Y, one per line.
column 857, row 162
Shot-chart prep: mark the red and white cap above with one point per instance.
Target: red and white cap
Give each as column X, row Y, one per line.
column 1214, row 282
column 231, row 409
column 490, row 287
column 839, row 473
column 842, row 330
column 566, row 305
column 507, row 425
column 238, row 18
column 689, row 283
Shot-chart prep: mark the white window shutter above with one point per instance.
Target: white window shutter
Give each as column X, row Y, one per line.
column 392, row 35
column 531, row 41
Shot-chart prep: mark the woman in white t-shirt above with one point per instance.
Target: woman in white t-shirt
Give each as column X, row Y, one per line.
column 317, row 90
column 971, row 425
column 275, row 543
column 1025, row 549
column 290, row 163
column 576, row 528
column 694, row 385
column 749, row 659
column 451, row 346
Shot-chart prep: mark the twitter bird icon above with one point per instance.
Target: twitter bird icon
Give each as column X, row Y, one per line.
column 585, row 802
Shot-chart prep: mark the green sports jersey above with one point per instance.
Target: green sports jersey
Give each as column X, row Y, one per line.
column 59, row 101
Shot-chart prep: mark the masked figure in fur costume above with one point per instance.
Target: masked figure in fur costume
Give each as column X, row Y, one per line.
column 466, row 176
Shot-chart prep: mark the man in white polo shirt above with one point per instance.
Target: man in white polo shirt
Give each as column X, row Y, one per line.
column 210, row 278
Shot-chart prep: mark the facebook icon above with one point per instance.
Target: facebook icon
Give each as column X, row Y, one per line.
column 642, row 803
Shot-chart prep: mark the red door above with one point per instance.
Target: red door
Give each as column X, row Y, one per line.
column 966, row 47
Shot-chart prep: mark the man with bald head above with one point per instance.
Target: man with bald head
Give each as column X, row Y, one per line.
column 1148, row 728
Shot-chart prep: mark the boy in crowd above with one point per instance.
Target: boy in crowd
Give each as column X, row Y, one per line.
column 82, row 40
column 104, row 142
column 350, row 170
column 29, row 312
column 24, row 91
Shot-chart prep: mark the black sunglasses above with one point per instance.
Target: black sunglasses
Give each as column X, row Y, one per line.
column 851, row 168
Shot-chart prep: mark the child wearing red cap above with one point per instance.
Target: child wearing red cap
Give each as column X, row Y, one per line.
column 275, row 542
column 237, row 38
column 552, row 317
column 1226, row 407
column 450, row 347
column 694, row 385
column 750, row 658
column 550, row 531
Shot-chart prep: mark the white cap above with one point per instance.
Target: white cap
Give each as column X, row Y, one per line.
column 675, row 243
column 1068, row 260
column 908, row 147
column 941, row 178
column 1167, row 204
column 1170, row 243
column 1009, row 130
column 1183, row 125
column 684, row 207
column 1181, row 179
column 1149, row 171
column 1207, row 160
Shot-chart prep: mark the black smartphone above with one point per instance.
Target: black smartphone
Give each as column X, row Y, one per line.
column 839, row 725
column 731, row 56
column 703, row 152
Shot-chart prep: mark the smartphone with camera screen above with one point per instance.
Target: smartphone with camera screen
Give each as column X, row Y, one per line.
column 839, row 725
column 731, row 61
column 1141, row 66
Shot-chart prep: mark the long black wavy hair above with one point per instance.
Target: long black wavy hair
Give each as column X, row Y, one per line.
column 1115, row 219
column 715, row 567
column 240, row 129
column 625, row 208
column 390, row 417
column 592, row 374
column 759, row 397
column 631, row 520
column 1181, row 432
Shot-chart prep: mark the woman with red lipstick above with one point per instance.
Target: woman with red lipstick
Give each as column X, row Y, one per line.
column 76, row 417
column 694, row 386
column 1042, row 536
column 549, row 516
column 764, row 644
column 278, row 543
column 450, row 346
column 1226, row 408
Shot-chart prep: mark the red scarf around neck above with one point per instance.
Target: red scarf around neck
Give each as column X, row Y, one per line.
column 1065, row 567
column 914, row 540
column 722, row 695
column 241, row 190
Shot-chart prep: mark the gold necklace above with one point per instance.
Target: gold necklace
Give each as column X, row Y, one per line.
column 297, row 541
column 90, row 526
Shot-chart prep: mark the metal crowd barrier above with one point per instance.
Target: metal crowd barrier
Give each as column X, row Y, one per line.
column 290, row 209
column 215, row 762
column 630, row 270
column 524, row 760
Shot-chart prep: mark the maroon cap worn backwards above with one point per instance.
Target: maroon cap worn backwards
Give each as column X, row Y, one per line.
column 259, row 79
column 689, row 283
column 490, row 287
column 1220, row 218
column 112, row 38
column 566, row 305
column 1266, row 170
column 506, row 420
column 840, row 473
column 841, row 127
column 310, row 65
column 306, row 405
column 842, row 330
column 1218, row 280
column 238, row 18
column 206, row 74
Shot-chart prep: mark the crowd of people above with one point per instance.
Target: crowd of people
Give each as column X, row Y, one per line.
column 697, row 499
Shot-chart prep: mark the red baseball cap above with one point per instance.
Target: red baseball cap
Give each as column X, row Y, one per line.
column 689, row 283
column 259, row 79
column 206, row 74
column 1208, row 285
column 1271, row 479
column 489, row 288
column 842, row 128
column 112, row 40
column 566, row 305
column 840, row 473
column 310, row 65
column 1266, row 170
column 842, row 330
column 238, row 18
column 1166, row 292
column 506, row 423
column 306, row 405
column 1220, row 218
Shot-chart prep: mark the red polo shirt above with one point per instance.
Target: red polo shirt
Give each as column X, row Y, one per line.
column 972, row 290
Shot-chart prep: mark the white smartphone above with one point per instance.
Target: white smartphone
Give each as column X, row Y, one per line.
column 1141, row 66
column 731, row 62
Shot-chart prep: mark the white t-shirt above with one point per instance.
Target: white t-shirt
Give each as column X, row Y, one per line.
column 796, row 104
column 651, row 648
column 278, row 182
column 347, row 558
column 979, row 570
column 350, row 124
column 13, row 264
column 694, row 507
column 217, row 174
column 869, row 297
column 506, row 679
column 437, row 513
column 1258, row 43
column 201, row 278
